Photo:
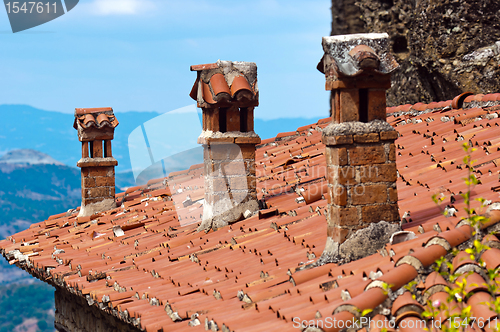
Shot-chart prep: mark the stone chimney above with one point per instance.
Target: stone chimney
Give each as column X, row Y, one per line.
column 227, row 93
column 96, row 128
column 360, row 153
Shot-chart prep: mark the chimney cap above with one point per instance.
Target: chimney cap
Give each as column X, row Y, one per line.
column 95, row 123
column 353, row 54
column 225, row 83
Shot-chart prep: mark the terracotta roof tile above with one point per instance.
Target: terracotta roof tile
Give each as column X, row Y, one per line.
column 95, row 117
column 224, row 83
column 250, row 271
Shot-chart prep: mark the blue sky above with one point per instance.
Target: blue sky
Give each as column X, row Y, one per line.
column 134, row 55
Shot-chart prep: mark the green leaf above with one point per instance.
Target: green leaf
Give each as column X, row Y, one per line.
column 366, row 312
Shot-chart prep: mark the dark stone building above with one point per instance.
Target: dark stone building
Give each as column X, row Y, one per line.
column 443, row 47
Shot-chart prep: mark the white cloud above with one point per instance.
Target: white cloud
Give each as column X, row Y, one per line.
column 120, row 7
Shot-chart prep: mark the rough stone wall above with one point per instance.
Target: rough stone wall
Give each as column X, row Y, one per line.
column 230, row 182
column 346, row 18
column 361, row 182
column 443, row 47
column 73, row 314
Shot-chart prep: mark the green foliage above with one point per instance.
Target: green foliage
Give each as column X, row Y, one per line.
column 451, row 319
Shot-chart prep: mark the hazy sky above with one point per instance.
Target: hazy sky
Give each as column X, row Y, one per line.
column 135, row 54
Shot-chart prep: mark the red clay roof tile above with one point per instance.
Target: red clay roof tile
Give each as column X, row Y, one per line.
column 160, row 256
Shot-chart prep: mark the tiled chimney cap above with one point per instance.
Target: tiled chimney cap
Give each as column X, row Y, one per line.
column 95, row 123
column 351, row 55
column 226, row 83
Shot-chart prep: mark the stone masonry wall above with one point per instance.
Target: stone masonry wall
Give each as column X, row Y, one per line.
column 361, row 182
column 73, row 314
column 98, row 184
column 443, row 48
column 230, row 180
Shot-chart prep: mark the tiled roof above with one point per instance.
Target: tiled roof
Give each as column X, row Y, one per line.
column 224, row 82
column 146, row 261
column 95, row 117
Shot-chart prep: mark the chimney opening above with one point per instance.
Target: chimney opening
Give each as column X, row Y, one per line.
column 223, row 119
column 244, row 119
column 363, row 105
column 91, row 149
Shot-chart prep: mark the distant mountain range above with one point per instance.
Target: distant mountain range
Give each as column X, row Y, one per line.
column 38, row 174
column 34, row 186
column 26, row 127
column 28, row 157
column 39, row 151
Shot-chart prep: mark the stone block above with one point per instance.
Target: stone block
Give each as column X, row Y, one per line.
column 378, row 173
column 104, row 181
column 238, row 183
column 101, row 171
column 392, row 152
column 336, row 156
column 376, row 213
column 343, row 216
column 337, row 194
column 97, row 192
column 393, row 195
column 210, row 168
column 88, row 182
column 220, row 184
column 389, row 135
column 366, row 155
column 366, row 138
column 217, row 151
column 337, row 140
column 247, row 140
column 368, row 194
column 232, row 168
column 342, row 175
column 238, row 197
column 233, row 152
column 247, row 151
column 339, row 235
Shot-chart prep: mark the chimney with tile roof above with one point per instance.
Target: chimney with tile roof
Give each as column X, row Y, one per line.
column 96, row 128
column 227, row 93
column 360, row 152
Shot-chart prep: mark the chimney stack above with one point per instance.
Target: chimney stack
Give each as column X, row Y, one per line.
column 227, row 93
column 96, row 128
column 360, row 153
